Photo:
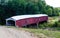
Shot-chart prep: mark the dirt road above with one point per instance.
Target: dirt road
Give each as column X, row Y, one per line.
column 13, row 33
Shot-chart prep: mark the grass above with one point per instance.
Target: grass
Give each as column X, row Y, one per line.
column 41, row 33
column 48, row 33
column 53, row 19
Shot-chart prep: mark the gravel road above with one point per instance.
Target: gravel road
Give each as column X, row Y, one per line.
column 13, row 33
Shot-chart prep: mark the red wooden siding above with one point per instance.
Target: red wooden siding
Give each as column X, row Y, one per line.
column 44, row 18
column 21, row 22
column 28, row 21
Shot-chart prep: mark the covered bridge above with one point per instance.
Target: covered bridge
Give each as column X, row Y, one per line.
column 23, row 20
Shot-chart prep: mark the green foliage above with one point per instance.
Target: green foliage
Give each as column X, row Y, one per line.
column 57, row 24
column 49, row 25
column 46, row 25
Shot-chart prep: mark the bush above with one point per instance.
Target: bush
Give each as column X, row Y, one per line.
column 50, row 25
column 57, row 24
column 44, row 25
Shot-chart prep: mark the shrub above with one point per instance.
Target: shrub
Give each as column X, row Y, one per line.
column 50, row 25
column 57, row 24
column 43, row 25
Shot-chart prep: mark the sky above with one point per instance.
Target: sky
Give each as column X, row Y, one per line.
column 54, row 3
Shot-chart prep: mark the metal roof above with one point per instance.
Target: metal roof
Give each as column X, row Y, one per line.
column 25, row 16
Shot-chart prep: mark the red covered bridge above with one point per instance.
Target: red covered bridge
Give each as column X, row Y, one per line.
column 23, row 20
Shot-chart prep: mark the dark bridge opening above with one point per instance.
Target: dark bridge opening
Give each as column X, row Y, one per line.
column 11, row 23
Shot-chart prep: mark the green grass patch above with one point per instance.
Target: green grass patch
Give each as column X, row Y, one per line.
column 48, row 33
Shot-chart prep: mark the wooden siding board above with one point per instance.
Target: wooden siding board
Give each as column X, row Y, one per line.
column 28, row 21
column 21, row 22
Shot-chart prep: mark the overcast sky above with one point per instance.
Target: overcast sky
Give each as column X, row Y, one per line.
column 54, row 3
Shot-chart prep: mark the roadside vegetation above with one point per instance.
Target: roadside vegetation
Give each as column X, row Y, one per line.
column 41, row 33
